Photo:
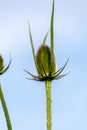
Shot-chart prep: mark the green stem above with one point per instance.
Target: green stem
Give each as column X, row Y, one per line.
column 48, row 104
column 5, row 110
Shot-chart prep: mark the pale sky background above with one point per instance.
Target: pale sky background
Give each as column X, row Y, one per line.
column 26, row 99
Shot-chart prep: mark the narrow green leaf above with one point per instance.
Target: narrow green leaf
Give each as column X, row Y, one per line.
column 44, row 41
column 52, row 31
column 31, row 41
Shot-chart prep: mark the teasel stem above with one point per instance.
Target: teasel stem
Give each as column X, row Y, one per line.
column 5, row 109
column 48, row 104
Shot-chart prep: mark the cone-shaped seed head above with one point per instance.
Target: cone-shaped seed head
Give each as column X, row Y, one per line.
column 43, row 59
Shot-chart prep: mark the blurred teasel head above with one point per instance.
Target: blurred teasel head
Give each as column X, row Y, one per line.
column 44, row 59
column 1, row 63
column 3, row 68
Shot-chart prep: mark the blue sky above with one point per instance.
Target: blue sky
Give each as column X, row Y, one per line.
column 26, row 99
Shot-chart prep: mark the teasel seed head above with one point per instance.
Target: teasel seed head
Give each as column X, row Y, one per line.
column 43, row 60
column 1, row 63
column 3, row 68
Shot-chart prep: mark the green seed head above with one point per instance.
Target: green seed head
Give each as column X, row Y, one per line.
column 43, row 59
column 3, row 68
column 1, row 63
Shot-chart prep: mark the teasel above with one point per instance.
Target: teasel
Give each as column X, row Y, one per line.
column 45, row 63
column 3, row 69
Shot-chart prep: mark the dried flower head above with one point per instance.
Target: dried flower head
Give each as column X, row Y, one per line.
column 3, row 68
column 45, row 58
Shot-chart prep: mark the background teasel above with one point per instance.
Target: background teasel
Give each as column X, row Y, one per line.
column 1, row 63
column 3, row 69
column 45, row 64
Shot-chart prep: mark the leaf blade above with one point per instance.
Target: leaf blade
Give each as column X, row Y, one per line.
column 52, row 31
column 45, row 38
column 32, row 46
